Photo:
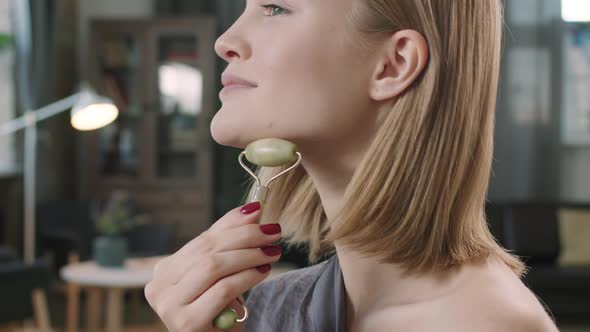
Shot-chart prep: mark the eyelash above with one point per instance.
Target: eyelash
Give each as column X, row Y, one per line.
column 271, row 7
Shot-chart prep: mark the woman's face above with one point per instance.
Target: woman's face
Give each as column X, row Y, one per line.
column 308, row 75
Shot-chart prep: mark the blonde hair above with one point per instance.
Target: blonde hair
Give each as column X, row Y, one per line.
column 418, row 197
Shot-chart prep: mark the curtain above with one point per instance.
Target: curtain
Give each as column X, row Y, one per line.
column 40, row 82
column 7, row 85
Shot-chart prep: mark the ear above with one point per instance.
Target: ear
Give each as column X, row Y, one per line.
column 404, row 56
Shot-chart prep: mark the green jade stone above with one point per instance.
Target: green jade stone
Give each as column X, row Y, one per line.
column 271, row 152
column 226, row 320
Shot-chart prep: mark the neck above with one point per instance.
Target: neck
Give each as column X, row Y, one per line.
column 330, row 178
column 331, row 173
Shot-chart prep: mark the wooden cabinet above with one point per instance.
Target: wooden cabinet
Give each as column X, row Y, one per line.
column 160, row 72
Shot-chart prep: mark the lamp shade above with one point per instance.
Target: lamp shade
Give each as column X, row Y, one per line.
column 92, row 111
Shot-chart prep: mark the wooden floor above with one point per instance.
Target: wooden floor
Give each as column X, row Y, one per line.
column 137, row 315
column 138, row 328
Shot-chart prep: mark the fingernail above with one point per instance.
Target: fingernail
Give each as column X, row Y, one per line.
column 271, row 250
column 263, row 268
column 270, row 229
column 250, row 208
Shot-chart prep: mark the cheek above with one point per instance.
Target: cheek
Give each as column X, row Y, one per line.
column 308, row 90
column 315, row 90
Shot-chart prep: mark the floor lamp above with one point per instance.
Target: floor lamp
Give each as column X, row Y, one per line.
column 89, row 111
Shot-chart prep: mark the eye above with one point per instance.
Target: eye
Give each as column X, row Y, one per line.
column 273, row 10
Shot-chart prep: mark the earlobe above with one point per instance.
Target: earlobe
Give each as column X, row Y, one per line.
column 405, row 54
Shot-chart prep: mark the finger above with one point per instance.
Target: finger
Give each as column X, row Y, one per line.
column 245, row 214
column 230, row 220
column 204, row 243
column 244, row 237
column 237, row 306
column 217, row 298
column 169, row 312
column 200, row 277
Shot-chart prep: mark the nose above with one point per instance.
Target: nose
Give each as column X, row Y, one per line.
column 232, row 46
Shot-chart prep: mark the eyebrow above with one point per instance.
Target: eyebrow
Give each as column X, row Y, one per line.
column 286, row 2
column 283, row 3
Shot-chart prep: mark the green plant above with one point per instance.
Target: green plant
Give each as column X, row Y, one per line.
column 116, row 218
column 6, row 40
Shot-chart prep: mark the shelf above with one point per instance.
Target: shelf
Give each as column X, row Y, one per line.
column 156, row 146
column 177, row 152
column 118, row 69
column 190, row 57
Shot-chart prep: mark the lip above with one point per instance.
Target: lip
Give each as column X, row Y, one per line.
column 231, row 80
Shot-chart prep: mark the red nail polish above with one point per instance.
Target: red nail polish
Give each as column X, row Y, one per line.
column 270, row 229
column 271, row 250
column 250, row 208
column 263, row 268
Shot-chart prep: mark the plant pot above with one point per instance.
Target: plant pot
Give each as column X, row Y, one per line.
column 110, row 251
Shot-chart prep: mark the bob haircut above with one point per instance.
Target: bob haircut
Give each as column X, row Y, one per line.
column 417, row 199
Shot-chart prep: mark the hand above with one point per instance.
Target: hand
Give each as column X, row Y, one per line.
column 193, row 286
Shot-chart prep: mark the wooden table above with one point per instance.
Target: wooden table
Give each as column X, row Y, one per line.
column 136, row 273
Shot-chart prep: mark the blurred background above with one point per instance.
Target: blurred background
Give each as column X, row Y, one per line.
column 77, row 244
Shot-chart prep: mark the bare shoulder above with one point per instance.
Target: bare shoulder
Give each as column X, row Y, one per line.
column 495, row 299
column 528, row 320
column 488, row 297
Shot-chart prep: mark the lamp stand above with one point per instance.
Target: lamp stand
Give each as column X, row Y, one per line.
column 81, row 101
column 30, row 174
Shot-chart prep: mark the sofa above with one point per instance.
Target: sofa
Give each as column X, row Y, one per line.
column 24, row 288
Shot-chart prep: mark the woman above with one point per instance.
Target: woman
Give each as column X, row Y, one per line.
column 391, row 103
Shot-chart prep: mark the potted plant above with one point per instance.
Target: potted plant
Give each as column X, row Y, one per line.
column 110, row 247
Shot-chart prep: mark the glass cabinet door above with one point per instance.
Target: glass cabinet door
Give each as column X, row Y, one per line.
column 120, row 79
column 179, row 106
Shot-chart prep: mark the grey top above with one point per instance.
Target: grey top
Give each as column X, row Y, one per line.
column 311, row 299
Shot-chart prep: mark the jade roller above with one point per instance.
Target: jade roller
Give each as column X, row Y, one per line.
column 268, row 152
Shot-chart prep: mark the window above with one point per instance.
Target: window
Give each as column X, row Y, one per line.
column 575, row 10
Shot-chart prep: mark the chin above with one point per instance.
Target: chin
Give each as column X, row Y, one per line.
column 227, row 137
column 229, row 133
column 230, row 129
